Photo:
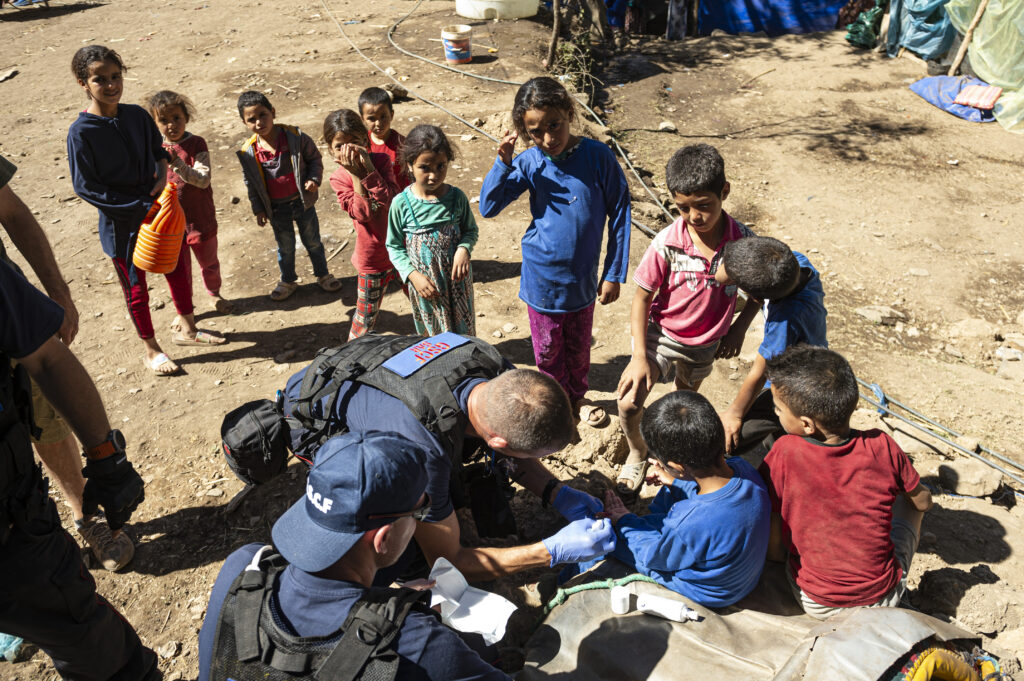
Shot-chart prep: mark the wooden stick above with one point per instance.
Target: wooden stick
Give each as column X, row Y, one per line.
column 556, row 28
column 337, row 250
column 751, row 80
column 962, row 52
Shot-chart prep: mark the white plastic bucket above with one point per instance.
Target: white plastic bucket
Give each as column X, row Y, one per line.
column 458, row 43
column 496, row 9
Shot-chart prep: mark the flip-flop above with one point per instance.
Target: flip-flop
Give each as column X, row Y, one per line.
column 591, row 414
column 159, row 361
column 201, row 338
column 630, row 480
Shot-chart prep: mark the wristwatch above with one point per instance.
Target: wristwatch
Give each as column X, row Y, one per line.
column 114, row 444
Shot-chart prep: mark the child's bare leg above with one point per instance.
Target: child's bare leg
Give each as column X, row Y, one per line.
column 903, row 509
column 630, row 414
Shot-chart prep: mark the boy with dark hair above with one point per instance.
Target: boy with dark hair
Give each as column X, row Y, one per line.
column 847, row 504
column 283, row 170
column 681, row 315
column 794, row 311
column 706, row 533
column 377, row 111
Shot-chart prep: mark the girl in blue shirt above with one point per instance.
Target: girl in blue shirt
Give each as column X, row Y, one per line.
column 575, row 187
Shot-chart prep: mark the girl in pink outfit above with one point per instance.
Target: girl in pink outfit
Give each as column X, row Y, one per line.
column 190, row 170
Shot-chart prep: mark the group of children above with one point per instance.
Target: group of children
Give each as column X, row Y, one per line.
column 845, row 505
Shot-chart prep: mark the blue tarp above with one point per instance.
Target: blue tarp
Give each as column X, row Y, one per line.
column 942, row 90
column 774, row 17
column 921, row 26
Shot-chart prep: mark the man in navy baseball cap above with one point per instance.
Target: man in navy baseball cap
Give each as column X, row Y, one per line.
column 359, row 483
column 357, row 516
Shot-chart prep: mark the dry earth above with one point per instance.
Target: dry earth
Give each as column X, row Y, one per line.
column 896, row 203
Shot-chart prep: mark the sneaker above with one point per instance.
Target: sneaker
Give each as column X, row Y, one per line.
column 113, row 552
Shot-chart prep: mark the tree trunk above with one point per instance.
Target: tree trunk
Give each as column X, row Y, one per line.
column 556, row 10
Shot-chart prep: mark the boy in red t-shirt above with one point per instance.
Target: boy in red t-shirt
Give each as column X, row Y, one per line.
column 377, row 112
column 847, row 504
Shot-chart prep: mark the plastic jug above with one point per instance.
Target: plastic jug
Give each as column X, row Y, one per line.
column 496, row 9
column 159, row 240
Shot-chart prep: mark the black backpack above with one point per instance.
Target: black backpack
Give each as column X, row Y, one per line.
column 255, row 438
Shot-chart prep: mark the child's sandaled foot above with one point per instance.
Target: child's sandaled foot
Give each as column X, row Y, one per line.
column 161, row 365
column 223, row 305
column 329, row 283
column 201, row 338
column 630, row 480
column 591, row 414
column 283, row 290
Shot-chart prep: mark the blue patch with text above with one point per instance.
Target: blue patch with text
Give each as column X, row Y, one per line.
column 417, row 356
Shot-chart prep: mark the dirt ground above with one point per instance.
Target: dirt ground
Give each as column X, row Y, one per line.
column 895, row 202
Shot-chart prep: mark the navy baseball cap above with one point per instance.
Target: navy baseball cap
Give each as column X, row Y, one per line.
column 354, row 476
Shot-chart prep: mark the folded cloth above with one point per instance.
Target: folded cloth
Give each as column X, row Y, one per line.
column 979, row 96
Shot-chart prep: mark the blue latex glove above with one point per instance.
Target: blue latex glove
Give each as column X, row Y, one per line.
column 574, row 504
column 581, row 540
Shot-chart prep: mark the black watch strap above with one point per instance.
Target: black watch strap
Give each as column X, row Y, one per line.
column 545, row 496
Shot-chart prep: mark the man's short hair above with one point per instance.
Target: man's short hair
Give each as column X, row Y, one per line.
column 762, row 266
column 529, row 410
column 251, row 98
column 696, row 168
column 815, row 382
column 683, row 428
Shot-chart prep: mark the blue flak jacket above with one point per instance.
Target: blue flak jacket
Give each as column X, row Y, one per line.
column 571, row 201
column 113, row 164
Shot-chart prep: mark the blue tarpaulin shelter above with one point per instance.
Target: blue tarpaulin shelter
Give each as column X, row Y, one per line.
column 774, row 17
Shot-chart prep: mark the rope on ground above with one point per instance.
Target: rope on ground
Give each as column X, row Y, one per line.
column 396, row 81
column 563, row 594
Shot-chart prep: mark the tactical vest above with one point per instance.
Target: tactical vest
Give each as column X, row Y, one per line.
column 249, row 644
column 20, row 477
column 421, row 372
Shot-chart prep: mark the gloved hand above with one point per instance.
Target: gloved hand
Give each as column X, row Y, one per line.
column 581, row 540
column 574, row 504
column 113, row 484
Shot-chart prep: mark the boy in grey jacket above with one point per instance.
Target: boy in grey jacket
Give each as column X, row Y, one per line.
column 283, row 171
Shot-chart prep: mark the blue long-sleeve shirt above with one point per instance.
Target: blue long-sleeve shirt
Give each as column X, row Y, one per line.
column 570, row 200
column 711, row 547
column 114, row 167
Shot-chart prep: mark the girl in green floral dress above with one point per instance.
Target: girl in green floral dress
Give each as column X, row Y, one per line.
column 431, row 233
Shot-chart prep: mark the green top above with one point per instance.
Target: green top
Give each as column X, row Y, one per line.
column 411, row 214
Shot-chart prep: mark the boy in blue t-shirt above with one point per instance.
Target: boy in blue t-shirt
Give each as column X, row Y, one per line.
column 794, row 310
column 705, row 535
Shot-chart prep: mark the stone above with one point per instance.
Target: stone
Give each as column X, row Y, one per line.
column 398, row 92
column 866, row 419
column 1009, row 644
column 667, row 126
column 1013, row 371
column 910, row 440
column 215, row 492
column 881, row 314
column 972, row 328
column 169, row 649
column 497, row 334
column 647, row 210
column 285, row 357
column 952, row 351
column 918, row 272
column 235, row 200
column 509, row 327
column 467, row 138
column 969, row 477
column 1009, row 354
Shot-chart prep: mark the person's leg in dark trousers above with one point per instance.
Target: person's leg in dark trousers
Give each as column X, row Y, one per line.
column 309, row 232
column 759, row 430
column 576, row 333
column 48, row 598
column 284, row 234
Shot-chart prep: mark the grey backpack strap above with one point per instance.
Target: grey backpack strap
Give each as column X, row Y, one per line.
column 249, row 588
column 364, row 651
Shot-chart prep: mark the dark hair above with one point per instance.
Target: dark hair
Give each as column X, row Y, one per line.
column 375, row 96
column 762, row 266
column 540, row 93
column 817, row 383
column 683, row 428
column 529, row 410
column 89, row 54
column 346, row 121
column 424, row 138
column 252, row 98
column 696, row 168
column 165, row 99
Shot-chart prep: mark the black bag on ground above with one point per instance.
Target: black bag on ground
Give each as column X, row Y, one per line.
column 255, row 439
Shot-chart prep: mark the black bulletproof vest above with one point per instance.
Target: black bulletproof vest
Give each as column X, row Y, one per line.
column 427, row 392
column 251, row 645
column 20, row 477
